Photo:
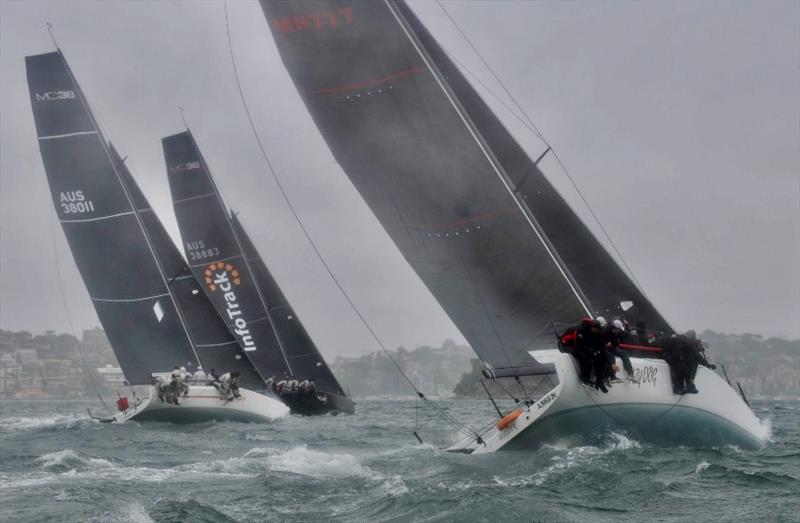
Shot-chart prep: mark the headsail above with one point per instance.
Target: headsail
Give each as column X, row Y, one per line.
column 213, row 343
column 110, row 247
column 216, row 257
column 306, row 359
column 446, row 180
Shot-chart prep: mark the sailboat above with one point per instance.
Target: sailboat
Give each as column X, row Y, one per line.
column 147, row 299
column 240, row 285
column 492, row 239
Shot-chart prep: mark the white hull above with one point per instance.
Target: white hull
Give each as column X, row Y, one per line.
column 203, row 403
column 648, row 411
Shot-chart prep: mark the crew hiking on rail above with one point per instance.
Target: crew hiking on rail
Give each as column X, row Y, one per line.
column 595, row 344
column 178, row 385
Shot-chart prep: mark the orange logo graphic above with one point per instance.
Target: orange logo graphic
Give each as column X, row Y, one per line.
column 213, row 279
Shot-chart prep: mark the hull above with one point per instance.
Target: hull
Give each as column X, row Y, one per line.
column 202, row 404
column 318, row 403
column 647, row 411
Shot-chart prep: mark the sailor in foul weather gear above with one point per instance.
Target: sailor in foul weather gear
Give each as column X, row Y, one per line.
column 583, row 351
column 617, row 334
column 162, row 389
column 175, row 385
column 693, row 354
column 199, row 376
column 229, row 385
column 280, row 386
column 304, row 386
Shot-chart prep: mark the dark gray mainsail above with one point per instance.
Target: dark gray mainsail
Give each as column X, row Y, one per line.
column 300, row 348
column 213, row 343
column 216, row 257
column 110, row 241
column 497, row 246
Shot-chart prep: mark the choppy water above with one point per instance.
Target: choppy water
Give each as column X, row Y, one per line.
column 57, row 464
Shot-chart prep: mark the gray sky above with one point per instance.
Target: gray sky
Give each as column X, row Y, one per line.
column 680, row 122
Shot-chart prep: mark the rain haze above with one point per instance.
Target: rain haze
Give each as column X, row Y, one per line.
column 680, row 122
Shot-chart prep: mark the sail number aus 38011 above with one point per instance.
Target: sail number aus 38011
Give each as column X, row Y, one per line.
column 75, row 202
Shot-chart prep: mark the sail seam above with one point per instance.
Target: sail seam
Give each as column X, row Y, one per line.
column 486, row 154
column 130, row 300
column 193, row 198
column 207, row 345
column 107, row 217
column 57, row 136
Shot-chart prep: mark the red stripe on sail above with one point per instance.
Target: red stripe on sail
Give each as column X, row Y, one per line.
column 368, row 83
column 470, row 219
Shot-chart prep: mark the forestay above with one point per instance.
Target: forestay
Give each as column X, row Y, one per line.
column 493, row 241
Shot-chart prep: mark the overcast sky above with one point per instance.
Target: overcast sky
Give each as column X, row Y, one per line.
column 680, row 121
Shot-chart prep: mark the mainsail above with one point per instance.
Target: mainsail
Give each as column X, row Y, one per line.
column 114, row 246
column 497, row 246
column 216, row 257
column 306, row 359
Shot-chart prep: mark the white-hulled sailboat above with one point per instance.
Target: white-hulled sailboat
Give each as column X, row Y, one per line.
column 149, row 303
column 495, row 243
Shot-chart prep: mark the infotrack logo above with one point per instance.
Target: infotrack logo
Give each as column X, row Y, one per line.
column 224, row 276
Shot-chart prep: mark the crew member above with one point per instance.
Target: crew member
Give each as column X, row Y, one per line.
column 175, row 385
column 673, row 348
column 280, row 386
column 583, row 351
column 199, row 376
column 693, row 355
column 617, row 335
column 597, row 346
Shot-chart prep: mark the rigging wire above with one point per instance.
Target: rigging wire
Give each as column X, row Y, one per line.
column 459, row 425
column 532, row 126
column 69, row 316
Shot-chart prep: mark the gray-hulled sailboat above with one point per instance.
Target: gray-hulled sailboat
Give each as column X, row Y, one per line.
column 240, row 285
column 473, row 214
column 146, row 298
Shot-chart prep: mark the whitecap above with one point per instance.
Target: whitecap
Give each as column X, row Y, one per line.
column 301, row 460
column 22, row 423
column 703, row 465
column 136, row 513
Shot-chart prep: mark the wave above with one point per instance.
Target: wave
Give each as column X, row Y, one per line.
column 56, row 421
column 67, row 466
column 567, row 458
column 301, row 460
